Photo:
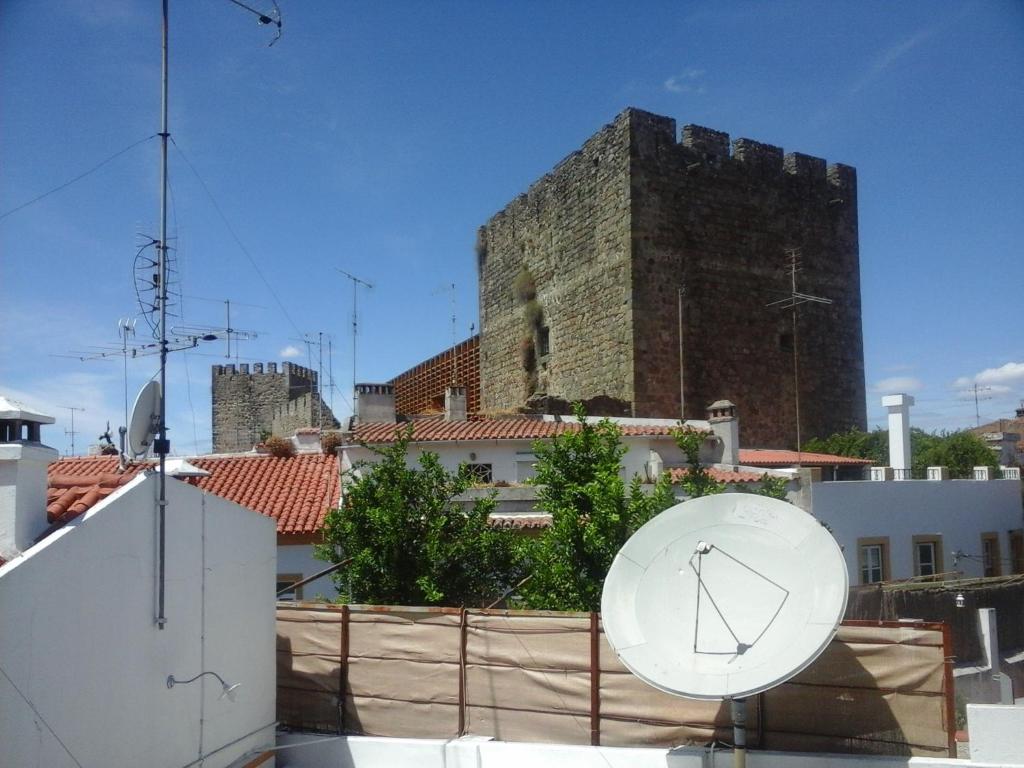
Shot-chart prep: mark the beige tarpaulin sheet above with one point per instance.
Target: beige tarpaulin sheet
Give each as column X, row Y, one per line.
column 532, row 676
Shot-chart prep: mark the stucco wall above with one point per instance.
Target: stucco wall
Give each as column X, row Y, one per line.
column 958, row 510
column 298, row 558
column 80, row 643
column 504, row 456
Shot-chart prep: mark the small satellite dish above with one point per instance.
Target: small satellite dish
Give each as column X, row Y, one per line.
column 145, row 420
column 724, row 596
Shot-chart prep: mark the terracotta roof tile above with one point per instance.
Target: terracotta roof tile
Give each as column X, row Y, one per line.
column 519, row 522
column 436, row 430
column 758, row 457
column 720, row 475
column 295, row 491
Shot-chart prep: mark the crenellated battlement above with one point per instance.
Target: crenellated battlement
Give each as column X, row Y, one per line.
column 290, row 369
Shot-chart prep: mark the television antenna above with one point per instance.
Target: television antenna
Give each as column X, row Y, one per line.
column 72, row 431
column 449, row 288
column 161, row 445
column 319, row 343
column 974, row 389
column 356, row 282
column 227, row 331
column 711, row 599
column 792, row 301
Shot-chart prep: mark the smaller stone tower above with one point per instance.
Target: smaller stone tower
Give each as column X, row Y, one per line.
column 248, row 405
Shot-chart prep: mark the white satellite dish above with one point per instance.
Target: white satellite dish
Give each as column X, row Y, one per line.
column 724, row 596
column 145, row 420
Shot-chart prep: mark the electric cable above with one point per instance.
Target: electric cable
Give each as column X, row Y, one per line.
column 77, row 178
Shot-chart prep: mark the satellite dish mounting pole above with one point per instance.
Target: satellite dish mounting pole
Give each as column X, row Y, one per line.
column 160, row 444
column 739, row 733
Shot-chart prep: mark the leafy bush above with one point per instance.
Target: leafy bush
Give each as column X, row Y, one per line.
column 408, row 542
column 592, row 515
column 330, row 441
column 280, row 447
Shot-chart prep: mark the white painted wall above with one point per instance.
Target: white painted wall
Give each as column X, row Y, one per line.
column 312, row 751
column 504, row 456
column 79, row 642
column 959, row 510
column 298, row 558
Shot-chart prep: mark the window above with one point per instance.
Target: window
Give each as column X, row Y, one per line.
column 1017, row 551
column 927, row 555
column 286, row 580
column 874, row 559
column 479, row 473
column 544, row 341
column 990, row 554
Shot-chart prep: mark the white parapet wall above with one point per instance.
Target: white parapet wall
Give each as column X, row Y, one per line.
column 84, row 666
column 313, row 751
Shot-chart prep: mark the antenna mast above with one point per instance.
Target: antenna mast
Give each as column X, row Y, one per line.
column 792, row 301
column 975, row 389
column 72, row 431
column 356, row 282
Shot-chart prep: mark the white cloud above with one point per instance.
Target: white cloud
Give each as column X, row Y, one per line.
column 897, row 384
column 1002, row 378
column 890, row 56
column 290, row 351
column 687, row 81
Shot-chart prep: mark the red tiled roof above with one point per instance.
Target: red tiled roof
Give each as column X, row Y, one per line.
column 720, row 475
column 758, row 457
column 519, row 522
column 434, row 430
column 295, row 491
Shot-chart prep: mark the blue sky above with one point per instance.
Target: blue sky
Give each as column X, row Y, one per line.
column 376, row 138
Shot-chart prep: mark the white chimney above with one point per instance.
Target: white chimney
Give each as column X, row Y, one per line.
column 374, row 403
column 725, row 425
column 23, row 463
column 455, row 404
column 899, row 432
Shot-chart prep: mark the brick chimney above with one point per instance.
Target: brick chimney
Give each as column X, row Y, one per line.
column 455, row 404
column 374, row 403
column 23, row 462
column 725, row 425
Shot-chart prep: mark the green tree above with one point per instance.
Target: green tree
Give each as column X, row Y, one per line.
column 408, row 542
column 855, row 443
column 773, row 486
column 579, row 484
column 697, row 481
column 960, row 451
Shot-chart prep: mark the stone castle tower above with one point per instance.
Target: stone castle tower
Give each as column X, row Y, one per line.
column 643, row 265
column 248, row 405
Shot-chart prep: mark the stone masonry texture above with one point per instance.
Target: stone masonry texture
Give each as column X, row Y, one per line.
column 247, row 403
column 610, row 237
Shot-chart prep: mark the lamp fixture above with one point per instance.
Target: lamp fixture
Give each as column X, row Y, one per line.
column 960, row 601
column 228, row 689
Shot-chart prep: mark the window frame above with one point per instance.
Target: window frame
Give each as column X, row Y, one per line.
column 884, row 565
column 1016, row 538
column 991, row 561
column 481, row 472
column 935, row 540
column 291, row 578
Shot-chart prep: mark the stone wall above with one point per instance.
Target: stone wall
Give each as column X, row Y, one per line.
column 718, row 223
column 614, row 232
column 245, row 403
column 570, row 232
